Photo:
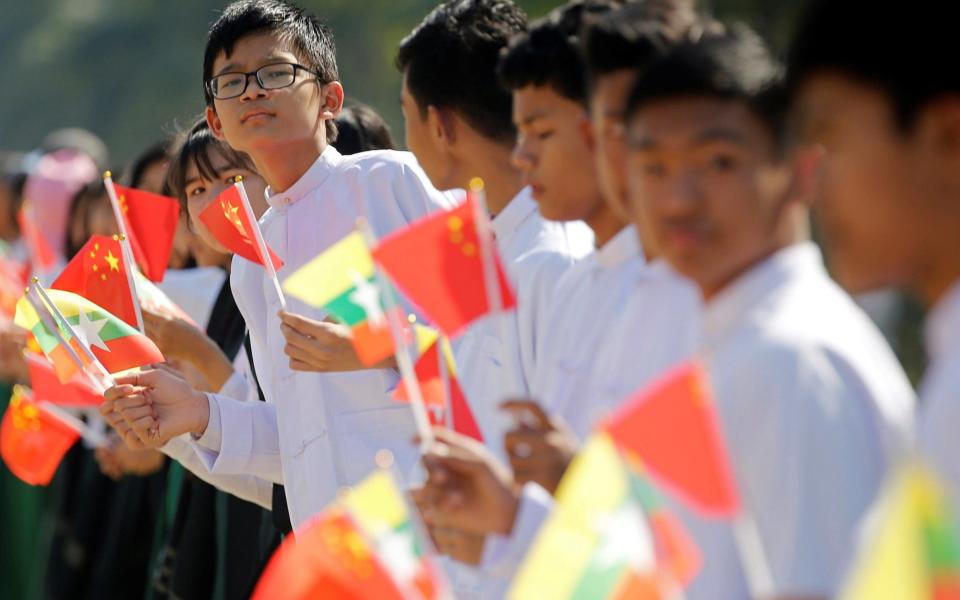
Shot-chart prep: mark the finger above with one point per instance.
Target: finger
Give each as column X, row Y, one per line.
column 130, row 402
column 299, row 365
column 120, row 391
column 528, row 413
column 138, row 412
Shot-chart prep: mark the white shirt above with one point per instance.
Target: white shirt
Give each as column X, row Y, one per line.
column 497, row 355
column 194, row 290
column 587, row 304
column 319, row 432
column 656, row 328
column 940, row 391
column 814, row 407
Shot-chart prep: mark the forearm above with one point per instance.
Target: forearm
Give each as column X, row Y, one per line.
column 207, row 358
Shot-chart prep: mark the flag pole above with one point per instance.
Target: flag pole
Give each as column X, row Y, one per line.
column 491, row 279
column 89, row 435
column 50, row 308
column 756, row 568
column 402, row 353
column 258, row 240
column 445, row 380
column 125, row 247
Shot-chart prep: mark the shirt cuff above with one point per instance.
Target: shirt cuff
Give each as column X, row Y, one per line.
column 503, row 555
column 212, row 435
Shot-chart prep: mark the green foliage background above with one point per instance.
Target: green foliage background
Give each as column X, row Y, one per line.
column 129, row 70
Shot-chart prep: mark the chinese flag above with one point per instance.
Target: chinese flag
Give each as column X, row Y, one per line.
column 228, row 222
column 97, row 273
column 427, row 370
column 46, row 385
column 151, row 221
column 32, row 443
column 329, row 558
column 436, row 262
column 672, row 429
column 42, row 256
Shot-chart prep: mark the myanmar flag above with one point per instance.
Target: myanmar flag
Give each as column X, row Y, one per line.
column 436, row 262
column 343, row 282
column 151, row 223
column 97, row 272
column 597, row 542
column 43, row 338
column 366, row 546
column 32, row 443
column 227, row 221
column 912, row 549
column 672, row 429
column 115, row 344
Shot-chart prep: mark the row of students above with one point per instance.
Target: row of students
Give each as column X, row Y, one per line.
column 689, row 143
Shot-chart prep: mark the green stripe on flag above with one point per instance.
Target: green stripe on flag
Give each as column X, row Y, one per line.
column 346, row 310
column 45, row 338
column 112, row 330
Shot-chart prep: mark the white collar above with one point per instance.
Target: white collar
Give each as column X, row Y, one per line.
column 518, row 210
column 727, row 309
column 623, row 246
column 942, row 328
column 311, row 180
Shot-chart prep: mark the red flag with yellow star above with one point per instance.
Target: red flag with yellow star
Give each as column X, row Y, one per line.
column 32, row 443
column 437, row 263
column 97, row 273
column 228, row 222
column 151, row 221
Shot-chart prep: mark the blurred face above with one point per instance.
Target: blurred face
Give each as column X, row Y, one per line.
column 606, row 116
column 422, row 141
column 873, row 183
column 553, row 154
column 152, row 178
column 705, row 187
column 259, row 120
column 201, row 191
column 97, row 220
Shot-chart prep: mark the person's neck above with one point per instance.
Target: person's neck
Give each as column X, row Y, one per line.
column 605, row 224
column 282, row 165
column 940, row 274
column 501, row 181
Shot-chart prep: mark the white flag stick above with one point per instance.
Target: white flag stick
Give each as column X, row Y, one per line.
column 491, row 279
column 756, row 568
column 89, row 435
column 125, row 248
column 404, row 363
column 445, row 380
column 46, row 308
column 258, row 240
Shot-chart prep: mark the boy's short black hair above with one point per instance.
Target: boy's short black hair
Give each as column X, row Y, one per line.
column 309, row 38
column 360, row 129
column 549, row 54
column 900, row 50
column 731, row 64
column 630, row 36
column 193, row 148
column 450, row 60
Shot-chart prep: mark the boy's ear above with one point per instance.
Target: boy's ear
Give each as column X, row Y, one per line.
column 587, row 133
column 441, row 126
column 938, row 128
column 806, row 161
column 213, row 121
column 332, row 101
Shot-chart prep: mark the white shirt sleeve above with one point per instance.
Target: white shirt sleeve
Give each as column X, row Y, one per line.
column 246, row 487
column 241, row 438
column 503, row 555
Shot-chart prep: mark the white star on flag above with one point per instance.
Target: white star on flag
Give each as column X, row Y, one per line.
column 89, row 331
column 367, row 297
column 624, row 539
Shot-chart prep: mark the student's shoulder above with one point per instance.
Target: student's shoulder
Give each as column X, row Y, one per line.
column 386, row 164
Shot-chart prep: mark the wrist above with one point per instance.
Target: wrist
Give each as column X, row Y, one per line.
column 201, row 410
column 510, row 507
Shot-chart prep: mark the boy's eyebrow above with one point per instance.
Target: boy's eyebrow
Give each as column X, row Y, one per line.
column 527, row 120
column 231, row 67
column 720, row 134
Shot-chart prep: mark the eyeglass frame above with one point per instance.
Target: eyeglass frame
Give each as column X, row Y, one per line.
column 246, row 79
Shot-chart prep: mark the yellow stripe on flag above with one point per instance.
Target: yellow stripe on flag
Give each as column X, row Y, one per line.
column 332, row 273
column 594, row 485
column 376, row 503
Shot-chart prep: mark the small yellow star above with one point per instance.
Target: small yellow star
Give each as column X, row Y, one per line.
column 112, row 260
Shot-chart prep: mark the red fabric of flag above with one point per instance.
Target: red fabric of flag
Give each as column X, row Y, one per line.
column 227, row 221
column 97, row 273
column 672, row 429
column 42, row 255
column 437, row 263
column 46, row 385
column 151, row 221
column 32, row 443
column 431, row 388
column 329, row 558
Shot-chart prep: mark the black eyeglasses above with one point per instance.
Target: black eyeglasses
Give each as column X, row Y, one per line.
column 269, row 77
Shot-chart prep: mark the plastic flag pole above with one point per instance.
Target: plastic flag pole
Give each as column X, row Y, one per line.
column 404, row 363
column 125, row 247
column 258, row 240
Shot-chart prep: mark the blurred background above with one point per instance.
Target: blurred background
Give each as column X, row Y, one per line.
column 129, row 70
